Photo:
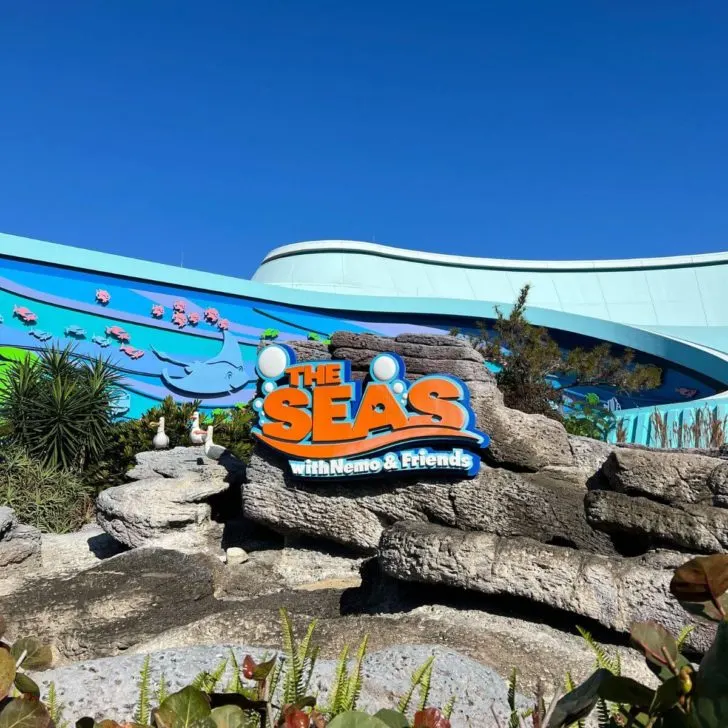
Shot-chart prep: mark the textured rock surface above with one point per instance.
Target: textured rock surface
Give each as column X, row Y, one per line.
column 167, row 502
column 86, row 689
column 613, row 591
column 695, row 527
column 19, row 544
column 496, row 500
column 110, row 607
column 664, row 476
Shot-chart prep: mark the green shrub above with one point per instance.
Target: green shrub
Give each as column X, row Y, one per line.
column 59, row 407
column 232, row 429
column 589, row 418
column 51, row 499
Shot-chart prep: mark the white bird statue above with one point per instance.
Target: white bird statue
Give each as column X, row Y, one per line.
column 213, row 451
column 197, row 436
column 161, row 439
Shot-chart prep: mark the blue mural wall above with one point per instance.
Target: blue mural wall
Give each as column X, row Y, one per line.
column 202, row 345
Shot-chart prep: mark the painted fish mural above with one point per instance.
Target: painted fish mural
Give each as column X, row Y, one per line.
column 25, row 314
column 222, row 374
column 131, row 352
column 101, row 341
column 76, row 331
column 118, row 333
column 102, row 296
column 40, row 334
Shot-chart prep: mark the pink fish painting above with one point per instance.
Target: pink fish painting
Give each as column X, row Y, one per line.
column 102, row 296
column 193, row 318
column 118, row 333
column 223, row 324
column 25, row 315
column 179, row 319
column 211, row 315
column 131, row 352
column 178, row 306
column 157, row 310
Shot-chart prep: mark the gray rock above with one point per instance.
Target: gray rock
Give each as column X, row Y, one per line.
column 588, row 458
column 613, row 591
column 696, row 527
column 305, row 350
column 19, row 544
column 235, row 556
column 120, row 602
column 158, row 509
column 718, row 483
column 664, row 476
column 180, row 462
column 85, row 688
column 496, row 500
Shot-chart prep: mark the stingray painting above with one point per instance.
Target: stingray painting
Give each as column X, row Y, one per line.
column 223, row 374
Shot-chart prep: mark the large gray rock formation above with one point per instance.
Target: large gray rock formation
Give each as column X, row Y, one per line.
column 19, row 544
column 168, row 500
column 611, row 590
column 355, row 514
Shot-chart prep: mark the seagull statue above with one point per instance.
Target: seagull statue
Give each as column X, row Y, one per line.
column 213, row 451
column 197, row 435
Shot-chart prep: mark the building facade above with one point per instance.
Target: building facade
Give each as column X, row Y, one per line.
column 195, row 335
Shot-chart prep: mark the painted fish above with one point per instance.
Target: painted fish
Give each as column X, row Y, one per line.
column 686, row 391
column 212, row 315
column 179, row 319
column 178, row 306
column 118, row 333
column 102, row 341
column 102, row 296
column 76, row 331
column 157, row 310
column 223, row 324
column 25, row 314
column 131, row 352
column 40, row 334
column 194, row 318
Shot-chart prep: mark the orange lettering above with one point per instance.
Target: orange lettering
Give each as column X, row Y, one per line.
column 378, row 410
column 437, row 401
column 330, row 404
column 286, row 408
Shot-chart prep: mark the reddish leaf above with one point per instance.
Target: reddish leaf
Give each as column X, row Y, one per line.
column 430, row 718
column 701, row 579
column 293, row 718
column 248, row 667
column 655, row 641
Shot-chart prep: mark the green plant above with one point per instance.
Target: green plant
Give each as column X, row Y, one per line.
column 346, row 689
column 49, row 498
column 527, row 355
column 686, row 697
column 233, row 429
column 269, row 334
column 319, row 337
column 143, row 709
column 589, row 418
column 18, row 693
column 59, row 407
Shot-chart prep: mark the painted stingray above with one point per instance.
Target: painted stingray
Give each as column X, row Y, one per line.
column 220, row 375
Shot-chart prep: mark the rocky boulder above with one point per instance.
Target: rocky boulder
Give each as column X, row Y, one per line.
column 614, row 591
column 355, row 514
column 19, row 544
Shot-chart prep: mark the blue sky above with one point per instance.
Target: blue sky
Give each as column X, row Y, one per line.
column 220, row 130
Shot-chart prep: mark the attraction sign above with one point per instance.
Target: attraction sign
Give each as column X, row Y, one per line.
column 330, row 426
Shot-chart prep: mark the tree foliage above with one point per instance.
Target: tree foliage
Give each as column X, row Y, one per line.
column 527, row 356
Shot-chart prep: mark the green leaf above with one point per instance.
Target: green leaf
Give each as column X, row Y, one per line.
column 392, row 718
column 710, row 696
column 356, row 719
column 26, row 686
column 24, row 713
column 7, row 672
column 657, row 644
column 625, row 690
column 37, row 655
column 664, row 672
column 667, row 696
column 228, row 716
column 263, row 669
column 183, row 709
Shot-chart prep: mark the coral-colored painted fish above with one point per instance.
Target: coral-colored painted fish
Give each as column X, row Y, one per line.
column 211, row 315
column 131, row 352
column 118, row 333
column 179, row 319
column 223, row 324
column 102, row 296
column 157, row 310
column 25, row 314
column 179, row 306
column 194, row 318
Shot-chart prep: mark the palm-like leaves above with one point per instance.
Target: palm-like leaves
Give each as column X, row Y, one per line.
column 59, row 407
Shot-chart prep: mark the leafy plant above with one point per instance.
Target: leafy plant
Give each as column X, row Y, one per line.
column 589, row 418
column 527, row 356
column 49, row 498
column 269, row 334
column 59, row 407
column 233, row 429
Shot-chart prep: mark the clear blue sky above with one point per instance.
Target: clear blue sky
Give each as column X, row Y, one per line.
column 223, row 129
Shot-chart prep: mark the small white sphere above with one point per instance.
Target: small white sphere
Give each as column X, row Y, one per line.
column 398, row 387
column 384, row 367
column 268, row 387
column 258, row 404
column 272, row 362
